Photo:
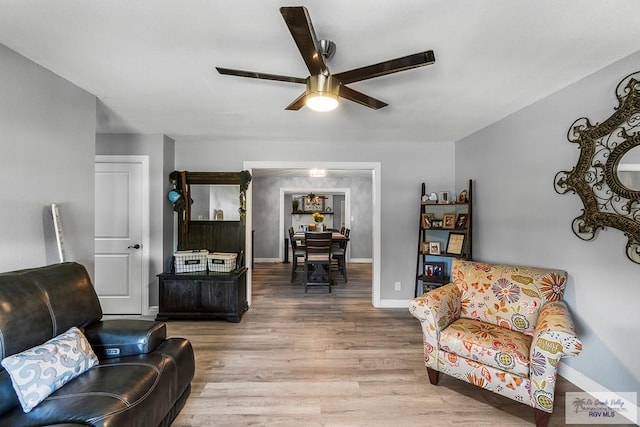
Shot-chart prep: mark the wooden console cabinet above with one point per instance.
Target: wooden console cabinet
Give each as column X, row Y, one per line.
column 203, row 295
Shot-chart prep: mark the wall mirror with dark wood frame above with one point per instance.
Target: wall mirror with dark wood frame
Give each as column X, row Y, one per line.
column 607, row 174
column 215, row 220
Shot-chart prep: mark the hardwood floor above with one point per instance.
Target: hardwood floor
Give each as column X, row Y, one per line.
column 320, row 359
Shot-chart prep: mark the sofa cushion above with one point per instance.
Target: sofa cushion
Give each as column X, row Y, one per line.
column 125, row 337
column 41, row 303
column 506, row 295
column 41, row 370
column 488, row 344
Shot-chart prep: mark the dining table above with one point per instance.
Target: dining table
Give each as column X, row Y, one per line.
column 335, row 236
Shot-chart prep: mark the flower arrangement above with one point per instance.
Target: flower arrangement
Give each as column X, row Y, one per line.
column 318, row 217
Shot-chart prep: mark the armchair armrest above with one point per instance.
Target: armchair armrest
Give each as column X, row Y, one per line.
column 437, row 309
column 553, row 338
column 555, row 334
column 124, row 337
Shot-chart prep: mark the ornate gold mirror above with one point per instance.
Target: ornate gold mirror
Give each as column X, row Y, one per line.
column 607, row 175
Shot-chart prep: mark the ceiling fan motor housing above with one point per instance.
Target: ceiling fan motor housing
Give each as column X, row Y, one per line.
column 323, row 85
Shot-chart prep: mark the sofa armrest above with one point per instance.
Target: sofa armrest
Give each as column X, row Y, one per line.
column 125, row 337
column 438, row 308
column 555, row 334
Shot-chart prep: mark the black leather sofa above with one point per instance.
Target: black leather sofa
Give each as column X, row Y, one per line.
column 143, row 378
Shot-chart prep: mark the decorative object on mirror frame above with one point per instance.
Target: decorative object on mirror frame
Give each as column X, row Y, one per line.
column 449, row 221
column 425, row 248
column 434, row 248
column 443, row 198
column 455, row 243
column 461, row 221
column 427, row 220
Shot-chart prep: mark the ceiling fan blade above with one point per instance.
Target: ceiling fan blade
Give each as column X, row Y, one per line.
column 361, row 98
column 265, row 76
column 298, row 103
column 387, row 67
column 299, row 23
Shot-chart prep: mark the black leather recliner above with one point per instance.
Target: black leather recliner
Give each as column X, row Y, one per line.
column 143, row 378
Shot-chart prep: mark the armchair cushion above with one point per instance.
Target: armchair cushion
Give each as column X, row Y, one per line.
column 506, row 295
column 488, row 344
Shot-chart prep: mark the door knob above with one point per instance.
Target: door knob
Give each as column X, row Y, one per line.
column 136, row 246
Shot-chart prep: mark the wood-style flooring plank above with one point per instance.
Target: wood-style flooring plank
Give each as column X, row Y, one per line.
column 329, row 359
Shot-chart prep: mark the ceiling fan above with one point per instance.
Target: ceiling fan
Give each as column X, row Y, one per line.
column 324, row 88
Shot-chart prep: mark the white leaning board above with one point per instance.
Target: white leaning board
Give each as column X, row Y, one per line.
column 57, row 225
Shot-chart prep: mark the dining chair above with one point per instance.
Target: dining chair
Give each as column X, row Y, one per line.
column 297, row 252
column 339, row 255
column 317, row 262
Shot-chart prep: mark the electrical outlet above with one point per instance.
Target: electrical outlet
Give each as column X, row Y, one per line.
column 398, row 286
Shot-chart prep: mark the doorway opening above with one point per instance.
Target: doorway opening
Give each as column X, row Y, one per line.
column 373, row 170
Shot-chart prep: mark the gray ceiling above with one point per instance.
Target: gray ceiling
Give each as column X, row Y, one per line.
column 150, row 62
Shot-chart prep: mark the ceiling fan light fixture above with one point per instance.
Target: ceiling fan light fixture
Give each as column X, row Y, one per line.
column 322, row 93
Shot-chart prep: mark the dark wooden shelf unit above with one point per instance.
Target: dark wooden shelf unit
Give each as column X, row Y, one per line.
column 426, row 282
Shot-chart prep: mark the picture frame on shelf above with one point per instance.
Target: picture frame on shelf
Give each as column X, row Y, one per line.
column 313, row 204
column 455, row 243
column 449, row 221
column 427, row 220
column 434, row 248
column 443, row 197
column 436, row 223
column 434, row 269
column 462, row 197
column 461, row 221
column 424, row 248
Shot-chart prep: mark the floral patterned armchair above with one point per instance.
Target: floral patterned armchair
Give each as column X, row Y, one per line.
column 500, row 327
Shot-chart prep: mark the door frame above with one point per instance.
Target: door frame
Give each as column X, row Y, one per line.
column 306, row 190
column 143, row 160
column 376, row 182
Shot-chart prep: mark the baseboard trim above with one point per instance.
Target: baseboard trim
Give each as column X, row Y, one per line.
column 590, row 386
column 353, row 260
column 394, row 303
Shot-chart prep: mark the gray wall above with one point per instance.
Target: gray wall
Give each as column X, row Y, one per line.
column 404, row 165
column 519, row 218
column 160, row 150
column 46, row 156
column 266, row 197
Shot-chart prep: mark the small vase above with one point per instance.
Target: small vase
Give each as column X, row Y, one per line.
column 319, row 226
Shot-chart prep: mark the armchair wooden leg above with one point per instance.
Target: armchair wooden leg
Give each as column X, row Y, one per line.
column 434, row 376
column 542, row 417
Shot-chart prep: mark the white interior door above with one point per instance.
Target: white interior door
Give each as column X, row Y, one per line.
column 119, row 209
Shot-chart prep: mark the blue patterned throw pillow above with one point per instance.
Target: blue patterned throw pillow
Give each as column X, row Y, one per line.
column 41, row 370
